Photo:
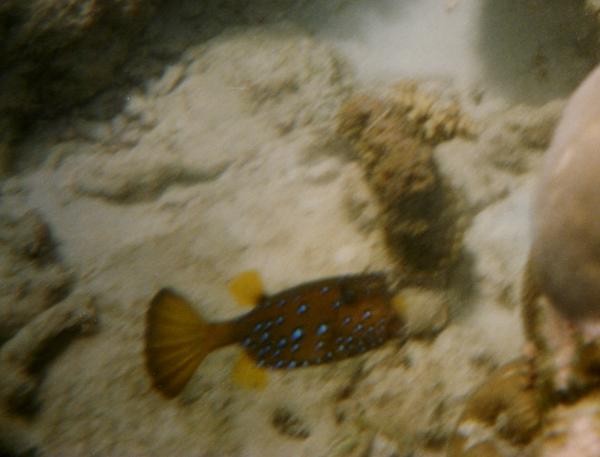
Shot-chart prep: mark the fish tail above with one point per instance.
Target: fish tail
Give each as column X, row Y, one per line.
column 178, row 340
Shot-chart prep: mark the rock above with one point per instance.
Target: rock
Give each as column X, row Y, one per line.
column 562, row 280
column 565, row 256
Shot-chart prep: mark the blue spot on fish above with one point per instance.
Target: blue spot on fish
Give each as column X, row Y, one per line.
column 346, row 320
column 279, row 364
column 258, row 326
column 268, row 325
column 367, row 314
column 349, row 340
column 328, row 356
column 336, row 304
column 302, row 308
column 260, row 363
column 320, row 344
column 294, row 347
column 359, row 328
column 324, row 289
column 279, row 320
column 264, row 336
column 264, row 351
column 292, row 364
column 297, row 334
column 341, row 348
column 247, row 342
column 305, row 363
column 277, row 353
column 321, row 329
column 282, row 342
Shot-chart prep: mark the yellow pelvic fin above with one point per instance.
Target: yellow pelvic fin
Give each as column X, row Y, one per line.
column 177, row 340
column 247, row 288
column 247, row 374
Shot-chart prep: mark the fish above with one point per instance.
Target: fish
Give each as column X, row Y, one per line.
column 314, row 323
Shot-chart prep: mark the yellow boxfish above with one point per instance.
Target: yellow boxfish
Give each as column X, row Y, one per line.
column 310, row 324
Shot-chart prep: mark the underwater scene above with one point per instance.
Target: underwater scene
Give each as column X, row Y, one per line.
column 300, row 228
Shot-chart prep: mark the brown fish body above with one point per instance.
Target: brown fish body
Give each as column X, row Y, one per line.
column 314, row 323
column 319, row 322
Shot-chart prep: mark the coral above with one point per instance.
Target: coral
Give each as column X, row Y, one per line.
column 393, row 137
column 36, row 321
column 430, row 114
column 502, row 415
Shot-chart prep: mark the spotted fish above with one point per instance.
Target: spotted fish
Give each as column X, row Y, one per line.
column 313, row 323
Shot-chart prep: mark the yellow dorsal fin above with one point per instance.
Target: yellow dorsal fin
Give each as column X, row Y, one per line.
column 247, row 288
column 399, row 304
column 247, row 374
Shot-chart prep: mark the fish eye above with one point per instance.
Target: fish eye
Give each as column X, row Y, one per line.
column 349, row 296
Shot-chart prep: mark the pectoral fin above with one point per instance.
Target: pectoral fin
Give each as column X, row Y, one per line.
column 247, row 374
